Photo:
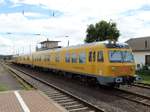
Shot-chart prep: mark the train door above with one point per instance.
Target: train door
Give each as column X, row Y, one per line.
column 92, row 60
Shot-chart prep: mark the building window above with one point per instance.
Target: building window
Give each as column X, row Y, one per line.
column 147, row 60
column 100, row 56
column 90, row 56
column 82, row 57
column 145, row 43
column 138, row 66
column 67, row 59
column 74, row 58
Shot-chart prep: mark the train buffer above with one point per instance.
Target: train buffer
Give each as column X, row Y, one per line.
column 27, row 101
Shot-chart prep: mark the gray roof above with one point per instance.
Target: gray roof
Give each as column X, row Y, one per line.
column 47, row 41
column 139, row 44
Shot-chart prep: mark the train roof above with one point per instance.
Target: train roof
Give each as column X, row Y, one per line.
column 103, row 44
column 75, row 47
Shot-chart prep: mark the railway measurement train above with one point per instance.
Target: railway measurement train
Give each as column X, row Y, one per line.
column 106, row 63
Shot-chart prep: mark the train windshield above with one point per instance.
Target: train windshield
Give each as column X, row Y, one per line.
column 121, row 56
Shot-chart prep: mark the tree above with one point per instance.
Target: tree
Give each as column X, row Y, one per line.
column 102, row 31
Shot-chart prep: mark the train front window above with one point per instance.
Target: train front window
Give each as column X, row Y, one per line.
column 127, row 56
column 120, row 56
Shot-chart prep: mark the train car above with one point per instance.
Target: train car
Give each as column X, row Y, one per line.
column 23, row 59
column 106, row 63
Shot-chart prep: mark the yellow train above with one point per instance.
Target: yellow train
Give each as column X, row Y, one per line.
column 107, row 63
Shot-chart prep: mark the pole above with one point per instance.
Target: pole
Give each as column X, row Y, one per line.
column 68, row 42
column 68, row 39
column 30, row 48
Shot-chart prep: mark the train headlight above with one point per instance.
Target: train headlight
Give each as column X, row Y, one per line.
column 113, row 68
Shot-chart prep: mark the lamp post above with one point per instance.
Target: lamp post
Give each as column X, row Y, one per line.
column 22, row 49
column 68, row 39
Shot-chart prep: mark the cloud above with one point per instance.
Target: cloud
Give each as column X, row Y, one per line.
column 71, row 18
column 5, row 42
column 134, row 25
column 5, row 45
column 42, row 11
column 1, row 2
column 78, row 6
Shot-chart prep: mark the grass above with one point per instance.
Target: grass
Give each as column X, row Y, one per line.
column 24, row 84
column 145, row 74
column 3, row 87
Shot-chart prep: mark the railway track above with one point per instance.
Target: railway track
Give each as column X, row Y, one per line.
column 130, row 96
column 135, row 97
column 142, row 85
column 69, row 101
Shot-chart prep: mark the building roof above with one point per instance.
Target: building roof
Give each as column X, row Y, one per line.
column 139, row 44
column 47, row 41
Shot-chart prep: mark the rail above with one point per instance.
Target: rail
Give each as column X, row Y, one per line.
column 135, row 97
column 69, row 101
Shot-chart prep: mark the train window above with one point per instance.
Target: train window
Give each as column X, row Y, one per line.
column 48, row 58
column 67, row 58
column 90, row 56
column 82, row 57
column 39, row 58
column 57, row 59
column 45, row 58
column 100, row 56
column 94, row 54
column 74, row 58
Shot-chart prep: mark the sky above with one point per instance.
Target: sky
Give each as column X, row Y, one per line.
column 24, row 23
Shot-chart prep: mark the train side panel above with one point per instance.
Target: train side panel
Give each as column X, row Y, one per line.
column 85, row 60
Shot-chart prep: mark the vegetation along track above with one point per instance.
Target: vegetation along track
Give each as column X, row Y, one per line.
column 67, row 100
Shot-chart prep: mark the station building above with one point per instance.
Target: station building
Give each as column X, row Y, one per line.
column 45, row 45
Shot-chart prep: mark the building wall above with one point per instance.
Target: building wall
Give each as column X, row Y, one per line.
column 140, row 58
column 50, row 45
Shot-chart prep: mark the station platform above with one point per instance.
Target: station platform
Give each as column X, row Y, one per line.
column 27, row 101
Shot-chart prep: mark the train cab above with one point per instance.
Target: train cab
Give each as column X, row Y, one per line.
column 120, row 65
